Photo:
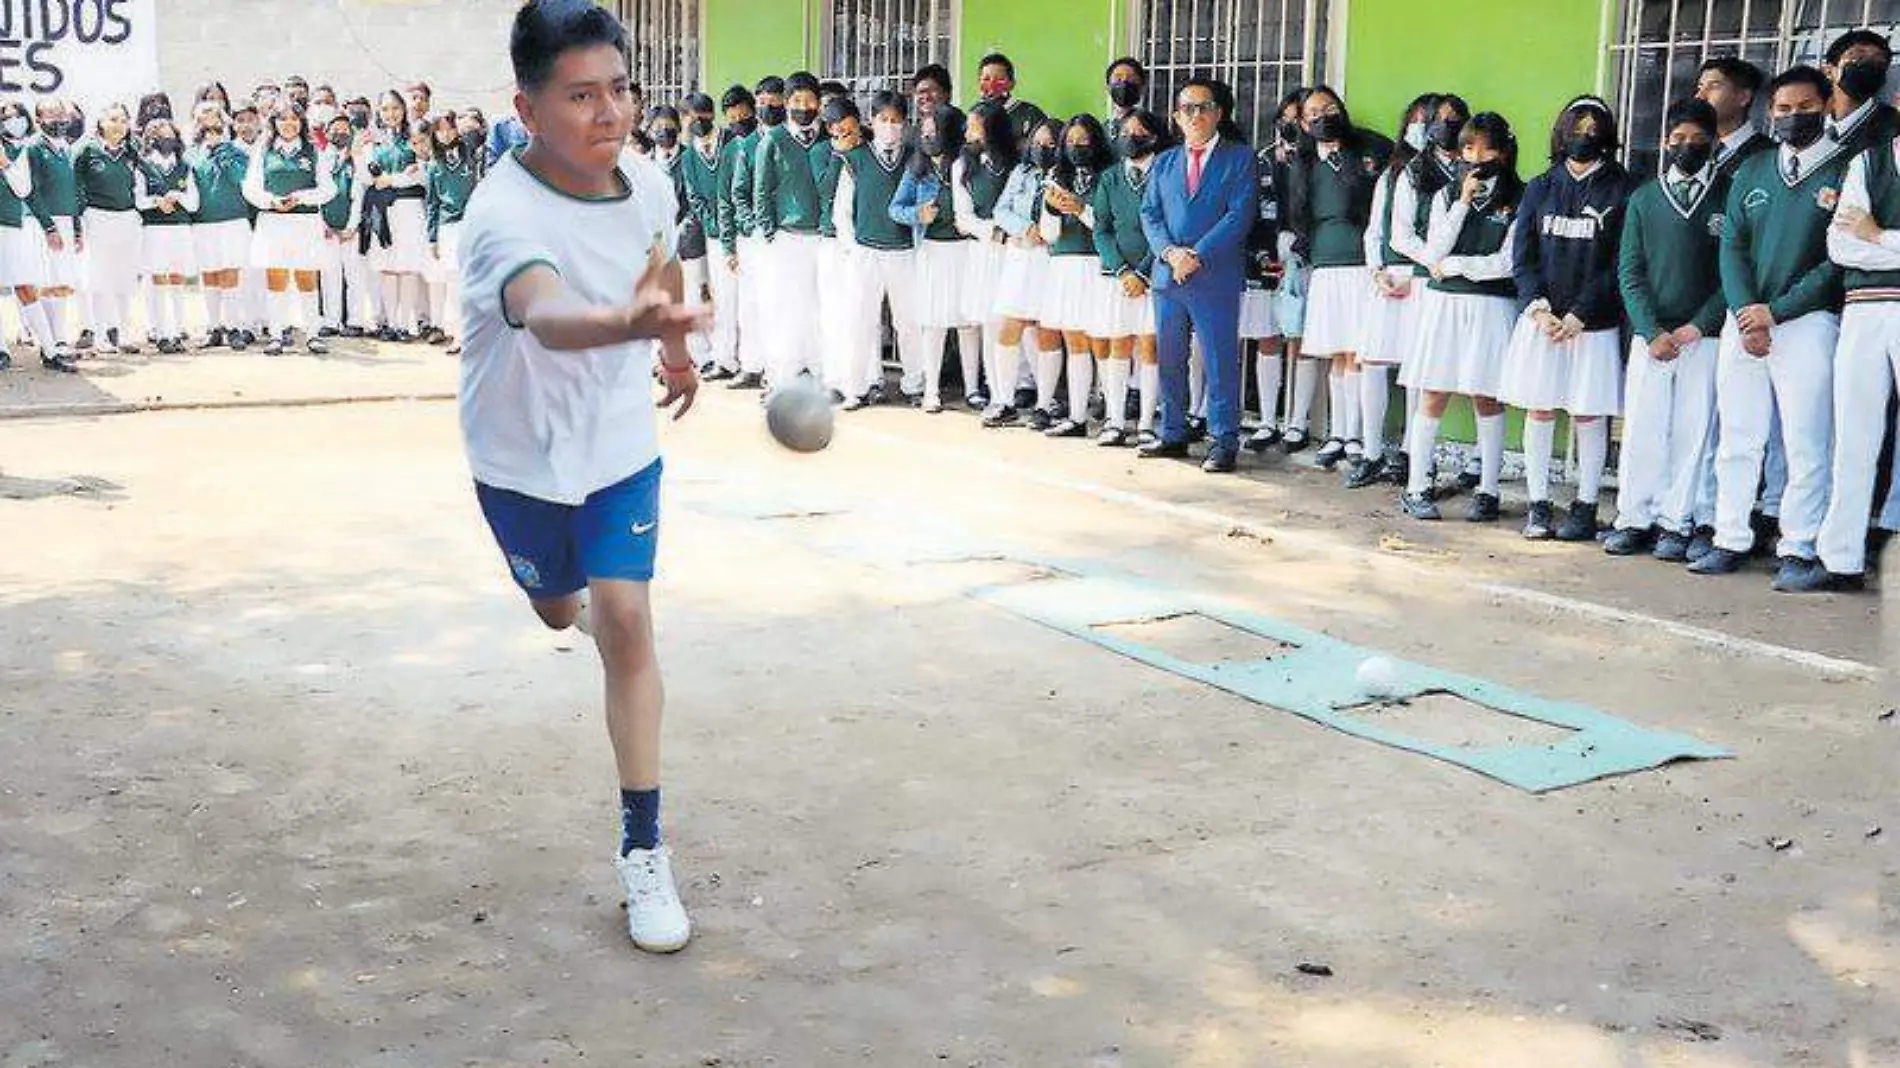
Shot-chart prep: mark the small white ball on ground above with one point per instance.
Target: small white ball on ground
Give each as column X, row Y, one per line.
column 1379, row 676
column 800, row 416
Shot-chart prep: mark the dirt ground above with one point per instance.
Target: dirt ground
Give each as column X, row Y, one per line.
column 291, row 777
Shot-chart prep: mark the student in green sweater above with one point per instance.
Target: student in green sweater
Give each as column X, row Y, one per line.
column 698, row 190
column 221, row 227
column 343, row 282
column 1076, row 294
column 166, row 193
column 977, row 181
column 837, row 298
column 289, row 187
column 1128, row 263
column 1784, row 299
column 735, row 234
column 56, row 208
column 449, row 179
column 22, row 261
column 754, row 298
column 879, row 252
column 1672, row 292
column 104, row 168
column 785, row 211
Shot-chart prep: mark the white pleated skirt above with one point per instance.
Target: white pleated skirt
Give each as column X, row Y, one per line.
column 1391, row 325
column 1583, row 376
column 982, row 270
column 168, row 250
column 1258, row 314
column 22, row 261
column 1072, row 297
column 1337, row 300
column 408, row 250
column 114, row 250
column 1462, row 338
column 288, row 241
column 1127, row 316
column 63, row 268
column 1020, row 286
column 223, row 246
column 942, row 268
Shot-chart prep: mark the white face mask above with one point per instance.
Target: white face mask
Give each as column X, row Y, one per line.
column 320, row 116
column 1415, row 136
column 16, row 127
column 888, row 135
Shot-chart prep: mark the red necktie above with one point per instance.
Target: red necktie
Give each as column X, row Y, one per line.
column 1195, row 157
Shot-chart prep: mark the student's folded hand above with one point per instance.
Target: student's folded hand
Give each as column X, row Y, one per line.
column 1663, row 348
column 1686, row 335
column 1755, row 317
column 1757, row 343
column 1572, row 327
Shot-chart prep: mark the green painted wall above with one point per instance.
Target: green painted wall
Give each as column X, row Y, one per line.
column 749, row 39
column 1059, row 47
column 1539, row 55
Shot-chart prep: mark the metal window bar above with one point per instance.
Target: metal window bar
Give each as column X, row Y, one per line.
column 665, row 47
column 879, row 44
column 1262, row 48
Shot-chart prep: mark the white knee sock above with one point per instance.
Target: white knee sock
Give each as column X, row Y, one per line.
column 992, row 349
column 1539, row 437
column 1305, row 388
column 56, row 314
column 33, row 317
column 1081, row 381
column 175, row 296
column 1115, row 391
column 312, row 312
column 931, row 337
column 1412, row 397
column 390, row 286
column 1355, row 408
column 1490, row 452
column 160, row 305
column 1423, row 442
column 1030, row 351
column 1048, row 370
column 214, row 308
column 154, row 312
column 438, row 303
column 1375, row 398
column 970, row 353
column 1007, row 364
column 415, row 298
column 1338, row 409
column 1267, row 369
column 282, row 307
column 1150, row 394
column 1593, row 451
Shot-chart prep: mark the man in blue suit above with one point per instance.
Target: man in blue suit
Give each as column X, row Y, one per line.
column 1200, row 204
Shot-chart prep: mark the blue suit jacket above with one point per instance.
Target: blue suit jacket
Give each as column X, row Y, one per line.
column 1214, row 222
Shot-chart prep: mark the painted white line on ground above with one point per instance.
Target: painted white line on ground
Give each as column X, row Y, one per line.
column 1714, row 639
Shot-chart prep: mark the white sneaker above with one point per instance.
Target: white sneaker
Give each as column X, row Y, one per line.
column 655, row 918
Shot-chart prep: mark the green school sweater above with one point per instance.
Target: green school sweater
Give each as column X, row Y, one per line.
column 784, row 191
column 105, row 177
column 1119, row 239
column 1668, row 264
column 1338, row 201
column 699, row 177
column 735, row 193
column 1075, row 238
column 1484, row 233
column 873, row 187
column 336, row 213
column 55, row 186
column 826, row 165
column 395, row 157
column 944, row 226
column 986, row 186
column 1774, row 238
column 1883, row 195
column 219, row 172
column 292, row 172
column 13, row 210
column 162, row 180
column 448, row 185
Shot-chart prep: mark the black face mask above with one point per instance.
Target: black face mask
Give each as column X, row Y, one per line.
column 168, row 146
column 1330, row 128
column 359, row 119
column 772, row 114
column 702, row 125
column 666, row 136
column 1444, row 133
column 1799, row 130
column 1079, row 155
column 804, row 116
column 471, row 142
column 1139, row 146
column 1689, row 157
column 1044, row 156
column 931, row 144
column 340, row 141
column 1583, row 147
column 1289, row 132
column 1863, row 79
column 1124, row 94
column 744, row 127
column 1485, row 171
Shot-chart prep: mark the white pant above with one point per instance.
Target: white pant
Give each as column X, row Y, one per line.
column 694, row 273
column 1668, row 447
column 753, row 346
column 881, row 276
column 345, row 283
column 1798, row 375
column 1865, row 365
column 727, row 295
column 837, row 305
column 791, row 280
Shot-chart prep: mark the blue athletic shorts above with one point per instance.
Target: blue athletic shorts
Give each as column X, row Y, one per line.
column 553, row 549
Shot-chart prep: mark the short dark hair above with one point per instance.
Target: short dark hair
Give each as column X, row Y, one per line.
column 419, row 84
column 840, row 109
column 886, row 100
column 932, row 72
column 832, row 87
column 357, row 102
column 771, row 83
column 663, row 111
column 1738, row 71
column 1853, row 38
column 804, row 80
column 1575, row 110
column 296, row 79
column 697, row 102
column 1141, row 72
column 735, row 96
column 1801, row 74
column 1692, row 111
column 544, row 29
column 998, row 59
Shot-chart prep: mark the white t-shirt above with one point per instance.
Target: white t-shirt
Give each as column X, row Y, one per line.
column 558, row 426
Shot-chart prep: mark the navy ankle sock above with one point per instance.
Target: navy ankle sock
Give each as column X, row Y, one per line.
column 639, row 819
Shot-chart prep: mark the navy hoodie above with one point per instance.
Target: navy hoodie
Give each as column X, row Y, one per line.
column 1566, row 243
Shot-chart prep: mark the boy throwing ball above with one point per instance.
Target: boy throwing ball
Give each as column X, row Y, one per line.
column 570, row 281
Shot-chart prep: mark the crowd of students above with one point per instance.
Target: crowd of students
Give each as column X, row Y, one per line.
column 296, row 214
column 1737, row 312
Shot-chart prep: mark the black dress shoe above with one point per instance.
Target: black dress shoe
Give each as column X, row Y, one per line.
column 1163, row 450
column 1263, row 439
column 1196, row 429
column 1701, row 544
column 1365, row 472
column 58, row 362
column 85, row 342
column 1719, row 561
column 749, row 380
column 1628, row 541
column 1767, row 530
column 1296, row 440
column 1040, row 421
column 1580, row 522
column 1221, row 460
column 6, row 359
column 1420, row 506
column 1024, row 400
column 1483, row 508
column 1001, row 417
column 1671, row 547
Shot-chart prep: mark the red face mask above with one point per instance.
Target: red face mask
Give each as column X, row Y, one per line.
column 993, row 88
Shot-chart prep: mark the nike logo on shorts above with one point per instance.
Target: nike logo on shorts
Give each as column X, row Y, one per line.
column 641, row 530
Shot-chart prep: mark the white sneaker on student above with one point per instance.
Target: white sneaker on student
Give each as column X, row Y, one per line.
column 655, row 918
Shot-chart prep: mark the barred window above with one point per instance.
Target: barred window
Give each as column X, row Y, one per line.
column 1263, row 48
column 665, row 47
column 879, row 44
column 1661, row 45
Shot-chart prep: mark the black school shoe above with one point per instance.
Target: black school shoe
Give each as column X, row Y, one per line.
column 1196, row 429
column 1067, row 428
column 1365, row 472
column 1719, row 561
column 1540, row 523
column 1671, row 547
column 1767, row 530
column 1628, row 541
column 1484, row 508
column 996, row 418
column 1296, row 440
column 1040, row 421
column 749, row 380
column 60, row 361
column 1398, row 469
column 213, row 340
column 1221, row 460
column 1468, row 481
column 85, row 342
column 1797, row 575
column 1330, row 453
column 1580, row 522
column 1420, row 506
column 1163, row 450
column 1264, row 438
column 1701, row 544
column 1024, row 400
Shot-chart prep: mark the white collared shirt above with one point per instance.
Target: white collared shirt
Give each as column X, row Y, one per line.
column 1729, row 145
column 1840, row 130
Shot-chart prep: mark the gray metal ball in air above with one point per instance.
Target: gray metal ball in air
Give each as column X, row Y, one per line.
column 800, row 416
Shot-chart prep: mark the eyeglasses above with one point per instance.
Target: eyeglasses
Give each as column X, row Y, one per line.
column 1197, row 107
